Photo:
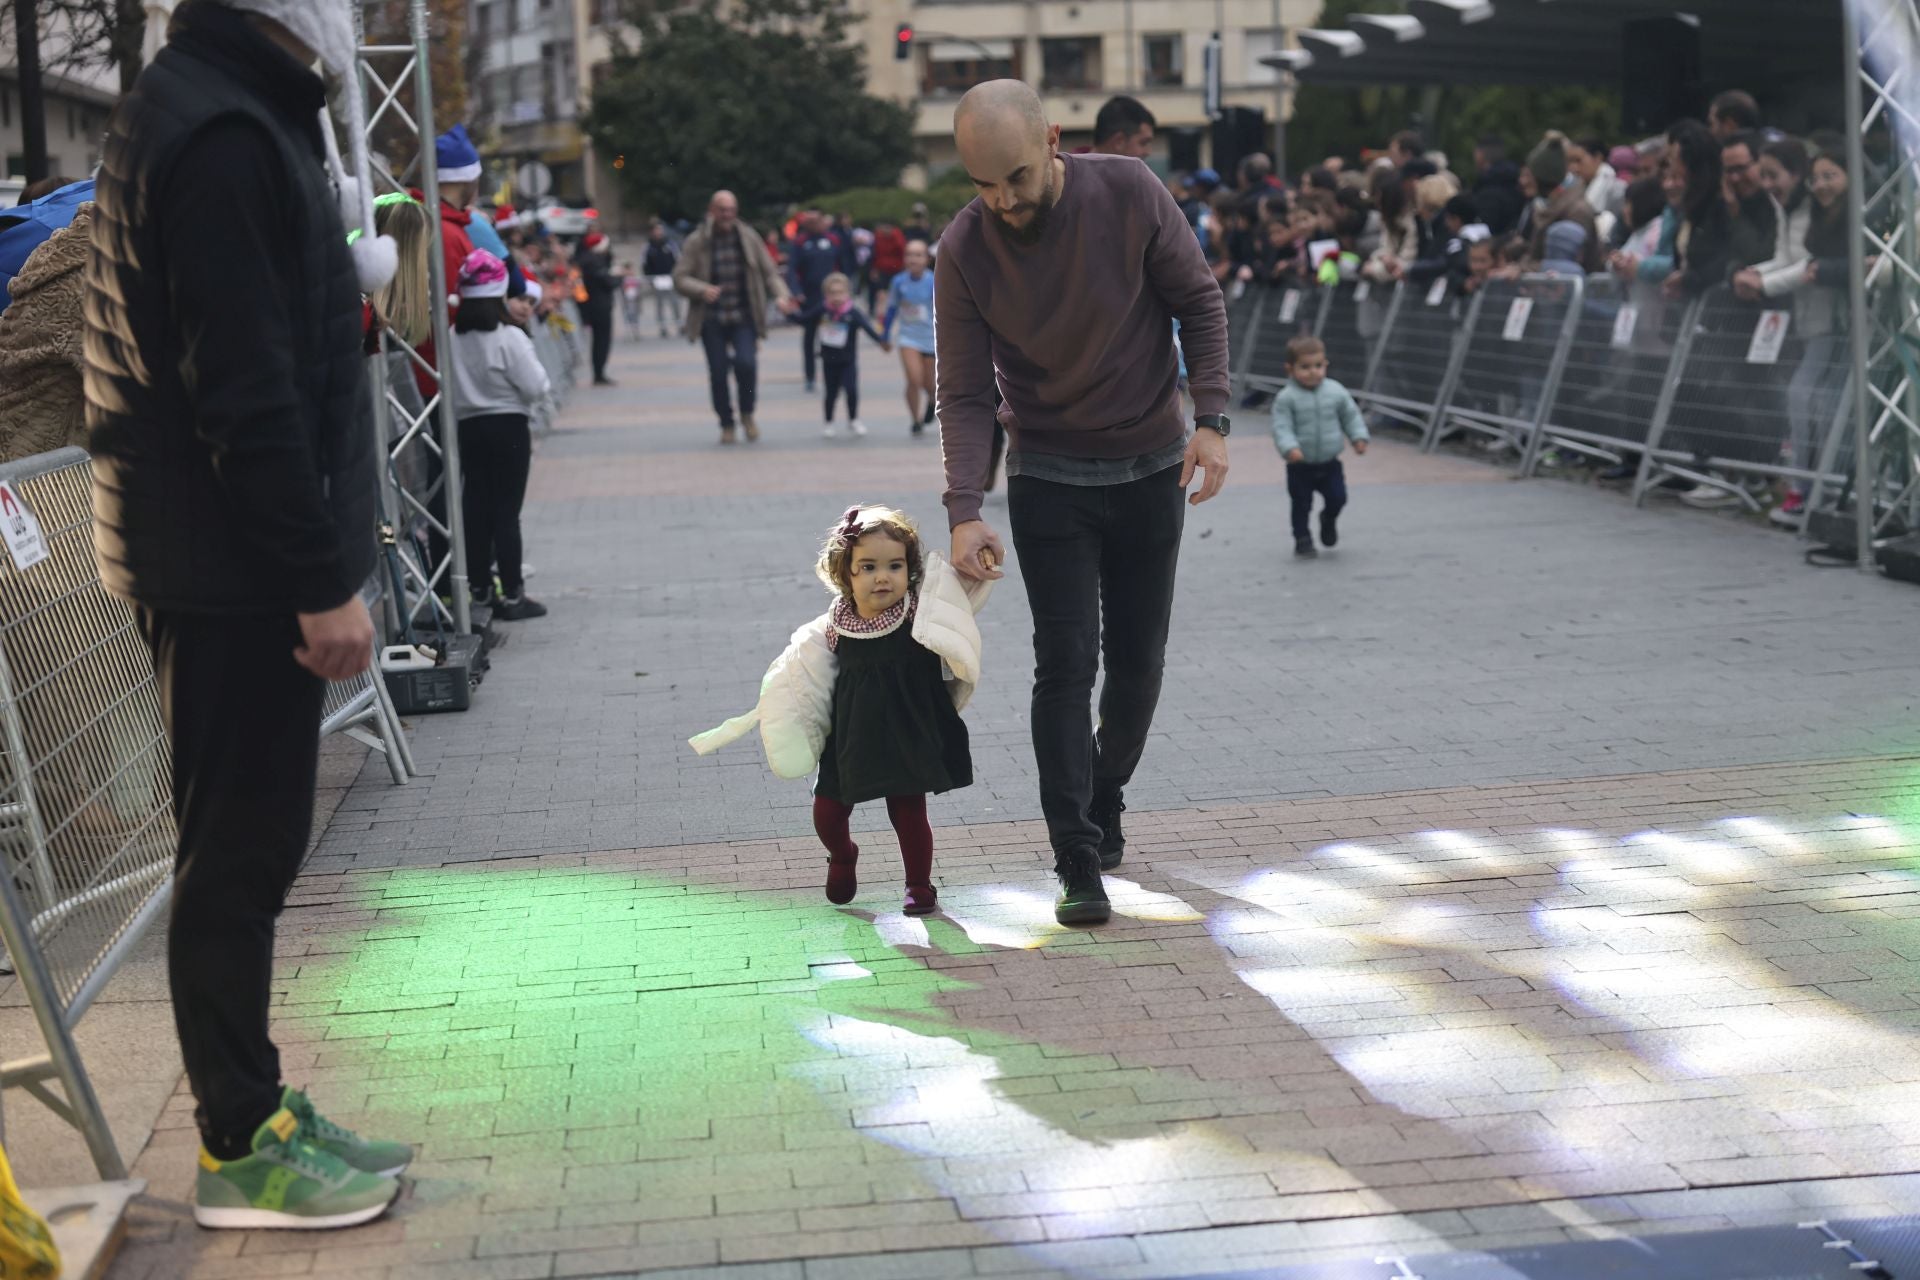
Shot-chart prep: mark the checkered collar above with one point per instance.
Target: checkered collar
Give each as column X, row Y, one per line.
column 844, row 619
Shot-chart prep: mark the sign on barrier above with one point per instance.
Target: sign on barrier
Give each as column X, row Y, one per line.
column 86, row 785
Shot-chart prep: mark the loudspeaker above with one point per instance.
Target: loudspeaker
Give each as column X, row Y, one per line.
column 1237, row 134
column 1662, row 82
column 1183, row 148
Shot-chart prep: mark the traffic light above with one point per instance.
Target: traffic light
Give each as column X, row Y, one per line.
column 903, row 42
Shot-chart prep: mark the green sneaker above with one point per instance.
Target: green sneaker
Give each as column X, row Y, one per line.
column 287, row 1182
column 384, row 1159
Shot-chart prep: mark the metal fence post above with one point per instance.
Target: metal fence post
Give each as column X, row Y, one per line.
column 1379, row 351
column 1663, row 411
column 442, row 329
column 1556, row 373
column 1443, row 402
column 1250, row 342
column 1863, row 469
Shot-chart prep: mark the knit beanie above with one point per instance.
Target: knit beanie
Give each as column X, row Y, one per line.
column 326, row 27
column 455, row 158
column 1548, row 164
column 483, row 276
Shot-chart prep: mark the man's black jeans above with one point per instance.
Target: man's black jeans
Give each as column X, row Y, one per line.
column 734, row 347
column 244, row 722
column 1094, row 555
column 1304, row 479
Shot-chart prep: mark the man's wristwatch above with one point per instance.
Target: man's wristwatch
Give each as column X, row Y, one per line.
column 1215, row 422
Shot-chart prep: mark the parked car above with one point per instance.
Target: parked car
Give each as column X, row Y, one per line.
column 565, row 220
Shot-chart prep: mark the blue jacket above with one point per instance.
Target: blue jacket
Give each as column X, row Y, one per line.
column 1318, row 423
column 812, row 260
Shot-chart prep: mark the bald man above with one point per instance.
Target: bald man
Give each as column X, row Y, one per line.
column 729, row 276
column 1060, row 283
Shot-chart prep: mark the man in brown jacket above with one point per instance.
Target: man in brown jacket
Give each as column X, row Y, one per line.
column 728, row 274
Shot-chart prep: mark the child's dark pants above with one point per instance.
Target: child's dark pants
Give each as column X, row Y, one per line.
column 1304, row 479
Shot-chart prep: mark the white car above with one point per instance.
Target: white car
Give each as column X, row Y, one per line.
column 564, row 220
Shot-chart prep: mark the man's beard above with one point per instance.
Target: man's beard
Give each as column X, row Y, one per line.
column 1036, row 226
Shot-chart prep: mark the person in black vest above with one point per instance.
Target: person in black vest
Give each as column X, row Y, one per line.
column 234, row 506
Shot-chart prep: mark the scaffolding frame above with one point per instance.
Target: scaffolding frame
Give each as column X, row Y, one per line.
column 1882, row 86
column 421, row 461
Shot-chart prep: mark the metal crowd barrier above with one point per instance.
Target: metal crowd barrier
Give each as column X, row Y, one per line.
column 1283, row 315
column 1243, row 336
column 1746, row 399
column 1716, row 391
column 1614, row 373
column 1517, row 333
column 560, row 356
column 86, row 780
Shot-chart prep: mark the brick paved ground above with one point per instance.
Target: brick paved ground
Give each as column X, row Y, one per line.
column 1532, row 867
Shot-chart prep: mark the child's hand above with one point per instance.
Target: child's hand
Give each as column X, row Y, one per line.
column 1359, row 446
column 1295, row 455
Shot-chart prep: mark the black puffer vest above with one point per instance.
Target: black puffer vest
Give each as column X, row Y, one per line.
column 166, row 534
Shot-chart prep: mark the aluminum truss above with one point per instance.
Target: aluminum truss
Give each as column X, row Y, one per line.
column 420, row 484
column 1882, row 41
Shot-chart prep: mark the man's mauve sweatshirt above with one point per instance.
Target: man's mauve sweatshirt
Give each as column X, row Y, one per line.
column 1077, row 327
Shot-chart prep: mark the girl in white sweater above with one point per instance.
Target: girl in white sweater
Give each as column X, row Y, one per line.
column 498, row 384
column 871, row 694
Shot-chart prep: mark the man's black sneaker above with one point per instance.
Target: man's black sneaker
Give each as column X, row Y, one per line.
column 1083, row 897
column 1304, row 548
column 1329, row 531
column 518, row 608
column 1106, row 811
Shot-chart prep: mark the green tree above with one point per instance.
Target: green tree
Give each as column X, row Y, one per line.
column 769, row 102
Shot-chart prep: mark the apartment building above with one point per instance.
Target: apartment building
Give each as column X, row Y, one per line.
column 1078, row 53
column 526, row 92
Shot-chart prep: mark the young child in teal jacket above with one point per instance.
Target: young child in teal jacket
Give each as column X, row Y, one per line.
column 1313, row 418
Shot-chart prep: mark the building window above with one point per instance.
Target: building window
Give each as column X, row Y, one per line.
column 1163, row 62
column 1070, row 64
column 1261, row 44
column 955, row 66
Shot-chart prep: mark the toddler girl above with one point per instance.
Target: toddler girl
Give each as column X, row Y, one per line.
column 871, row 692
column 841, row 324
column 910, row 300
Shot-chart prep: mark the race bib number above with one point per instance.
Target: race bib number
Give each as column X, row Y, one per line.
column 1769, row 336
column 833, row 335
column 1623, row 326
column 912, row 313
column 1517, row 316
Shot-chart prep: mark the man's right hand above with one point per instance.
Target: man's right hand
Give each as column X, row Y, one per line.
column 970, row 540
column 338, row 644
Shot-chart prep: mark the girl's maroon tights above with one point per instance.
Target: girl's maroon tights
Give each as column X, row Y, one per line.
column 909, row 817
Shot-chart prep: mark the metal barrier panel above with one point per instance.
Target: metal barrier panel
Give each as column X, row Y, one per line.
column 1419, row 343
column 1284, row 315
column 1243, row 334
column 86, row 778
column 1749, row 400
column 1350, row 324
column 1616, row 367
column 1516, row 344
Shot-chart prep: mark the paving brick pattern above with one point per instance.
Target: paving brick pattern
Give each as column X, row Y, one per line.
column 1532, row 868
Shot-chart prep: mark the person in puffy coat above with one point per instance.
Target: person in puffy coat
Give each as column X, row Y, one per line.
column 1313, row 418
column 43, row 404
column 870, row 693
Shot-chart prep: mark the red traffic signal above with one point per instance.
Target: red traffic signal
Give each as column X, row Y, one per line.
column 903, row 42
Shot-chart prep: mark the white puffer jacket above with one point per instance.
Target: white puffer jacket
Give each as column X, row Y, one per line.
column 796, row 695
